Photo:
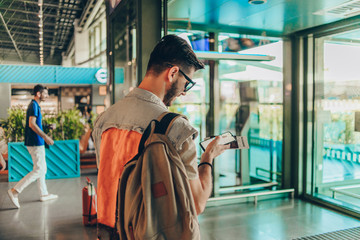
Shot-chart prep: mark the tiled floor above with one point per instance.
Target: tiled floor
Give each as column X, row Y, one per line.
column 62, row 218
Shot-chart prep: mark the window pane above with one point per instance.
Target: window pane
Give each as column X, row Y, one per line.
column 251, row 104
column 336, row 155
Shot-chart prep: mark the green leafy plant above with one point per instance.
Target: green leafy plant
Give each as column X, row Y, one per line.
column 14, row 126
column 69, row 125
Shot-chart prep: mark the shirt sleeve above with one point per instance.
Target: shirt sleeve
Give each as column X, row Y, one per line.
column 182, row 136
column 188, row 155
column 34, row 111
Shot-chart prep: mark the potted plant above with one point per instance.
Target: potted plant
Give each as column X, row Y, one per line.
column 62, row 158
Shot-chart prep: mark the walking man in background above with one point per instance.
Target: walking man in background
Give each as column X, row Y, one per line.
column 35, row 138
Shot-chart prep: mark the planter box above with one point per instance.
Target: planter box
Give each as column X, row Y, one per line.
column 62, row 160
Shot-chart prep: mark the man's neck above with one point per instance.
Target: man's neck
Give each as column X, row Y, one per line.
column 153, row 85
column 37, row 100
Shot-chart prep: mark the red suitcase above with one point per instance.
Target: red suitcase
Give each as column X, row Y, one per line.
column 89, row 198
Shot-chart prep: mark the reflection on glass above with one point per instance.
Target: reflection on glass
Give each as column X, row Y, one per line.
column 251, row 105
column 198, row 40
column 124, row 51
column 337, row 108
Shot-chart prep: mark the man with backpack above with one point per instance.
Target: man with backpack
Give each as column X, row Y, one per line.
column 118, row 131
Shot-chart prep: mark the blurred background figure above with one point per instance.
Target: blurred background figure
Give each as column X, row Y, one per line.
column 3, row 150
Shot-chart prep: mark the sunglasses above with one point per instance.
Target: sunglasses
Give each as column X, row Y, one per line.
column 189, row 84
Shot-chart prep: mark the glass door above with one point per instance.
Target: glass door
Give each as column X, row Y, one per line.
column 251, row 98
column 335, row 162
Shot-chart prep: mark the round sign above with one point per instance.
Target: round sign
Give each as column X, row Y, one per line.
column 101, row 75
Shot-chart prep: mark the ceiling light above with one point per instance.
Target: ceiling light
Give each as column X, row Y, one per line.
column 40, row 38
column 257, row 2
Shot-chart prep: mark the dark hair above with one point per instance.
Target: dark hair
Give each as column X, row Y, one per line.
column 173, row 50
column 39, row 88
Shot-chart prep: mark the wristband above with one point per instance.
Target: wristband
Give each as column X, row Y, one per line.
column 206, row 163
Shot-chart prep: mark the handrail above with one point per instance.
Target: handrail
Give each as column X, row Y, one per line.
column 341, row 191
column 236, row 188
column 265, row 170
column 254, row 194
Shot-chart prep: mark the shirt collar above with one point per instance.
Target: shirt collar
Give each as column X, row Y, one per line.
column 146, row 96
column 36, row 102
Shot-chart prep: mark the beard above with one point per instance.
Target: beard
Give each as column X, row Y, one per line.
column 171, row 94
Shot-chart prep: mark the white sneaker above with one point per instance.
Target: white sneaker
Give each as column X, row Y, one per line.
column 48, row 197
column 14, row 200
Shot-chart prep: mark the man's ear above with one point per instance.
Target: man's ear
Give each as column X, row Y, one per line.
column 38, row 94
column 171, row 73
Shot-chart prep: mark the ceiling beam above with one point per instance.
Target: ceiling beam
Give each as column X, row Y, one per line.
column 92, row 15
column 87, row 11
column 46, row 44
column 28, row 49
column 29, row 12
column 12, row 40
column 8, row 20
column 30, row 28
column 26, row 34
column 55, row 29
column 50, row 5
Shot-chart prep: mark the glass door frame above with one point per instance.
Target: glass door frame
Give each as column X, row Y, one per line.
column 308, row 50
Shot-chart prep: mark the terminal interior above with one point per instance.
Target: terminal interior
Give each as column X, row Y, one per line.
column 282, row 73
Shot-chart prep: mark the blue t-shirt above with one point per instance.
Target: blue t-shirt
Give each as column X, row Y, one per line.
column 31, row 137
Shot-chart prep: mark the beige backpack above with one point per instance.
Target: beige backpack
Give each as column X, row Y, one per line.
column 154, row 196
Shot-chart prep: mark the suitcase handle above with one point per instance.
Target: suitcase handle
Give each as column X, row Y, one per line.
column 90, row 208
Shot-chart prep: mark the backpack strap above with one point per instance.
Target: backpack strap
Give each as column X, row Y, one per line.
column 165, row 122
column 161, row 127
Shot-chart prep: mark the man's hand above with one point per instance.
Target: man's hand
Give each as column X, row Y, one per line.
column 52, row 126
column 201, row 187
column 37, row 130
column 48, row 140
column 213, row 150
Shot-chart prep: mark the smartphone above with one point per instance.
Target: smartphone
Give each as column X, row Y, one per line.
column 226, row 138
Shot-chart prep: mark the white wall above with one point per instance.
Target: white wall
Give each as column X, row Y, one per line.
column 81, row 44
column 5, row 99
